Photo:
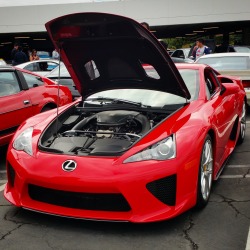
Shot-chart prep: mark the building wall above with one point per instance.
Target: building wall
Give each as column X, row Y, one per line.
column 31, row 18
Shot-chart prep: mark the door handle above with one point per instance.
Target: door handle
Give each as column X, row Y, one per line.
column 26, row 102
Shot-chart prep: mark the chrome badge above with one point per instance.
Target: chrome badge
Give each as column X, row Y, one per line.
column 69, row 165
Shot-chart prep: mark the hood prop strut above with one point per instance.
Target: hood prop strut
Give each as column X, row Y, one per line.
column 58, row 91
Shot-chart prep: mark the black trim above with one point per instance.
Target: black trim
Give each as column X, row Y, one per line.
column 87, row 201
column 8, row 130
column 164, row 189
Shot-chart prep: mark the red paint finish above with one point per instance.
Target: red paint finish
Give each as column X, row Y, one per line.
column 27, row 100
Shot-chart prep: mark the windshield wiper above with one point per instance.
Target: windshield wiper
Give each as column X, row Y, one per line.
column 103, row 100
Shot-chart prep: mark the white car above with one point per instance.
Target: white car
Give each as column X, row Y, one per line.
column 232, row 64
column 41, row 67
column 2, row 62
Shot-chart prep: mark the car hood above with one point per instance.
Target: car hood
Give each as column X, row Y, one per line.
column 104, row 51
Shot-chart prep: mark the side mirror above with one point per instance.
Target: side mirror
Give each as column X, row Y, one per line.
column 229, row 89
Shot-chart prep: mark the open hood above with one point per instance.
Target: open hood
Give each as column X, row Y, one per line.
column 105, row 51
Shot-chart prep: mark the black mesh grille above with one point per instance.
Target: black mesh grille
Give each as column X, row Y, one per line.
column 87, row 201
column 11, row 175
column 164, row 189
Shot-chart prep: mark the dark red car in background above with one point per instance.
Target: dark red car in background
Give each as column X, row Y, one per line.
column 24, row 94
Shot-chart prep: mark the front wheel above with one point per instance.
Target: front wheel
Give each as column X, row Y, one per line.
column 242, row 124
column 205, row 173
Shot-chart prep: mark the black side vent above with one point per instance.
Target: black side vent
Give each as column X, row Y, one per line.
column 164, row 189
column 11, row 175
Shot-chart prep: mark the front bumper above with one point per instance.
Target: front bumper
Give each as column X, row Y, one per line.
column 99, row 189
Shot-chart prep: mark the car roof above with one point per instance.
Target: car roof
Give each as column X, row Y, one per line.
column 227, row 54
column 6, row 67
column 22, row 65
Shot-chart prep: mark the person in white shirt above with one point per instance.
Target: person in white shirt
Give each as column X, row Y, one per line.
column 55, row 54
column 201, row 49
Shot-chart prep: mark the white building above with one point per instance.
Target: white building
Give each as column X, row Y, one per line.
column 167, row 18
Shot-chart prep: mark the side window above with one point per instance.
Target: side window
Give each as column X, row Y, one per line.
column 8, row 84
column 181, row 54
column 51, row 65
column 211, row 83
column 175, row 54
column 46, row 66
column 32, row 67
column 33, row 81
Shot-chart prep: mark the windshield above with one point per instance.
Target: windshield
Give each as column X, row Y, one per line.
column 63, row 71
column 227, row 62
column 242, row 49
column 155, row 98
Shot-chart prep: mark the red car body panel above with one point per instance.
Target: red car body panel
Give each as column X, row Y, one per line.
column 218, row 117
column 13, row 110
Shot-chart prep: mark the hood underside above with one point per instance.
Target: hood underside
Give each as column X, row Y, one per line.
column 105, row 51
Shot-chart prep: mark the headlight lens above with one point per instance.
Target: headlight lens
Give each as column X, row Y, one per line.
column 24, row 141
column 163, row 150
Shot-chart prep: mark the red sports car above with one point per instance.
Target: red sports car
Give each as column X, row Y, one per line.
column 145, row 142
column 24, row 94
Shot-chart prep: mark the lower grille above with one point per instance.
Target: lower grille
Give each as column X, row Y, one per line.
column 164, row 189
column 87, row 201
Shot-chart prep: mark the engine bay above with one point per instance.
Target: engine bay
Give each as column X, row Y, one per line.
column 84, row 132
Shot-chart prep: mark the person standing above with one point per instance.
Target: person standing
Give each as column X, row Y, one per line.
column 13, row 52
column 34, row 55
column 55, row 54
column 201, row 49
column 19, row 57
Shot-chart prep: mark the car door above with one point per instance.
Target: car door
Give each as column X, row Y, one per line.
column 37, row 90
column 178, row 56
column 223, row 117
column 15, row 104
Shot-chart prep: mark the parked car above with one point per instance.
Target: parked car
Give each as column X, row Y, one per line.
column 233, row 64
column 232, row 48
column 24, row 94
column 41, row 67
column 181, row 56
column 145, row 142
column 2, row 62
column 239, row 48
column 43, row 54
column 61, row 75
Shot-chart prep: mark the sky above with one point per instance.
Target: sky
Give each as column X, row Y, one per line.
column 6, row 3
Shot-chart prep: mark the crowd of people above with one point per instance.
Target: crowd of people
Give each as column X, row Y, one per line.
column 199, row 49
column 18, row 56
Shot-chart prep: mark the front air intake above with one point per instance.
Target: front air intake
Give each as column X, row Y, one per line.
column 164, row 189
column 87, row 201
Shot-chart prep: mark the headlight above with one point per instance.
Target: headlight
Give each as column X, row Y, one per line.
column 24, row 141
column 163, row 150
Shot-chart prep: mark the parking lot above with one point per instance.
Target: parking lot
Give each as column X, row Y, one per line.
column 223, row 224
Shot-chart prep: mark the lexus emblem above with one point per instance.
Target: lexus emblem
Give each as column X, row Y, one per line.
column 69, row 165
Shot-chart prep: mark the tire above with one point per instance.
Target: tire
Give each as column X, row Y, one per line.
column 242, row 124
column 205, row 176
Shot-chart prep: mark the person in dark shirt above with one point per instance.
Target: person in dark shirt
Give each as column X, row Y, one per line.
column 19, row 57
column 13, row 51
